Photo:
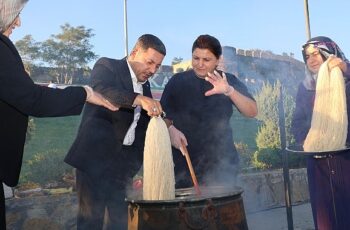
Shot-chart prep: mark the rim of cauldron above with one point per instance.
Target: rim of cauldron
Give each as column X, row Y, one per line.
column 235, row 191
column 299, row 149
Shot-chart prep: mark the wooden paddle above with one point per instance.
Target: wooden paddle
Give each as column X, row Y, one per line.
column 184, row 151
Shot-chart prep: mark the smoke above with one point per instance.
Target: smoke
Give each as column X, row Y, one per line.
column 225, row 174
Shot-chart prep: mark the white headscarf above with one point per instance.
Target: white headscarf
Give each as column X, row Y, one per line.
column 9, row 10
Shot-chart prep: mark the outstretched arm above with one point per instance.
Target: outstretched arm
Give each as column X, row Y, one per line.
column 94, row 97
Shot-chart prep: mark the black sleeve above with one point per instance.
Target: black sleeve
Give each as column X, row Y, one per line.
column 18, row 90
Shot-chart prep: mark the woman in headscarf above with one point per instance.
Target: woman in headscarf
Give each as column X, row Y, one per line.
column 20, row 98
column 328, row 177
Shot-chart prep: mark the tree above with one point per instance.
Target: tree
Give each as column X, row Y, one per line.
column 68, row 52
column 268, row 137
column 29, row 50
column 267, row 101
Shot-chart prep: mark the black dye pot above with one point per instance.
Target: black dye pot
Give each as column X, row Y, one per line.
column 216, row 208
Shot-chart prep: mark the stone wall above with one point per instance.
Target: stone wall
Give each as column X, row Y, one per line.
column 54, row 212
column 262, row 190
column 266, row 190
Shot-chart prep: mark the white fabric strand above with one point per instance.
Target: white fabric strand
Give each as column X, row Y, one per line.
column 158, row 165
column 329, row 122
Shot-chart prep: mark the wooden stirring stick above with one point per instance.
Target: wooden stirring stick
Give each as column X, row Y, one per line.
column 184, row 151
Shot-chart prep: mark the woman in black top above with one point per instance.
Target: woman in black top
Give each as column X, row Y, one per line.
column 200, row 103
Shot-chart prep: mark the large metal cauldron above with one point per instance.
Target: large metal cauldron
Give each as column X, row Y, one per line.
column 217, row 208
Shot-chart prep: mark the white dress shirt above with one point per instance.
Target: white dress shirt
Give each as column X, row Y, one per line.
column 130, row 135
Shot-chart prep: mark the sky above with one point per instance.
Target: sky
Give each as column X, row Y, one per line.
column 274, row 25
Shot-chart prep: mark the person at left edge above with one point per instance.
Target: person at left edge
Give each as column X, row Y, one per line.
column 20, row 98
column 108, row 150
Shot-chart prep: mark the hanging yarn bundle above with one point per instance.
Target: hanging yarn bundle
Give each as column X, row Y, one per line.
column 158, row 165
column 329, row 119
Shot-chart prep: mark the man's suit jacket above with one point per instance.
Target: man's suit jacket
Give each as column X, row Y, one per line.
column 98, row 148
column 20, row 97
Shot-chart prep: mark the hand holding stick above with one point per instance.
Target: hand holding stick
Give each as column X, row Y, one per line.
column 184, row 151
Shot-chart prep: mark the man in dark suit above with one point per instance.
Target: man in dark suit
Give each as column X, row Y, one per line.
column 108, row 149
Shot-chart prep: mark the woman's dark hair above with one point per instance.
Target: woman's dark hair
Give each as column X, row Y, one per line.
column 208, row 42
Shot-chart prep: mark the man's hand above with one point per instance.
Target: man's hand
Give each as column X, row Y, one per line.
column 152, row 106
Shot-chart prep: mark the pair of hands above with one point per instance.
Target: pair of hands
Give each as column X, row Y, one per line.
column 152, row 106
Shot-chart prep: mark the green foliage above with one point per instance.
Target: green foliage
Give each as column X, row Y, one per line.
column 244, row 129
column 66, row 52
column 289, row 107
column 245, row 155
column 267, row 158
column 268, row 137
column 30, row 129
column 47, row 167
column 50, row 134
column 296, row 161
column 29, row 50
column 267, row 100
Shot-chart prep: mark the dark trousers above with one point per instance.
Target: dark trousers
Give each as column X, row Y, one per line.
column 101, row 203
column 2, row 208
column 329, row 186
